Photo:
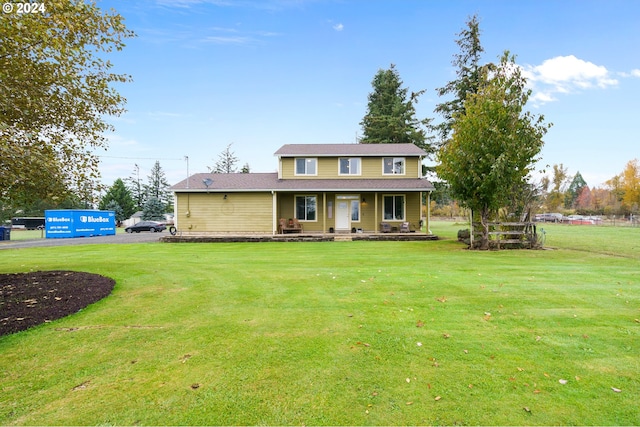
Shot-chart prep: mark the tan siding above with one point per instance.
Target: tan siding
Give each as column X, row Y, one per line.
column 210, row 212
column 328, row 168
column 288, row 168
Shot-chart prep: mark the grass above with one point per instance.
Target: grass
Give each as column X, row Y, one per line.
column 340, row 333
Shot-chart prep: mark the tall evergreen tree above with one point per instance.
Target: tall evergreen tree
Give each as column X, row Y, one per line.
column 157, row 186
column 468, row 78
column 574, row 190
column 227, row 161
column 119, row 194
column 153, row 209
column 391, row 115
column 135, row 187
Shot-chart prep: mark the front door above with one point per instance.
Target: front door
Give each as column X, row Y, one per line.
column 347, row 210
column 343, row 215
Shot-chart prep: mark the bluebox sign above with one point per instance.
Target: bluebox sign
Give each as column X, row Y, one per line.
column 79, row 223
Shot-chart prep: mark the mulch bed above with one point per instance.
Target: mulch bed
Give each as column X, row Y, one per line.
column 29, row 299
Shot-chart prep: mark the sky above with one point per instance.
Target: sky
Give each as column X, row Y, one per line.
column 258, row 74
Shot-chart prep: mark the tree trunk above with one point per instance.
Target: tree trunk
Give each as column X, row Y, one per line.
column 484, row 223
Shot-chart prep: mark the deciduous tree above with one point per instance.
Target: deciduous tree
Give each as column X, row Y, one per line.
column 56, row 88
column 559, row 178
column 631, row 186
column 494, row 144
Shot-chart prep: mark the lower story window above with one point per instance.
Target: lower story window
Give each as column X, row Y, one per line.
column 306, row 208
column 393, row 208
column 355, row 210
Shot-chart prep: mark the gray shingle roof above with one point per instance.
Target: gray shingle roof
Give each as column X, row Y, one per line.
column 324, row 150
column 245, row 182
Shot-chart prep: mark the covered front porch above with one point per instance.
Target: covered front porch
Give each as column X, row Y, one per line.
column 350, row 212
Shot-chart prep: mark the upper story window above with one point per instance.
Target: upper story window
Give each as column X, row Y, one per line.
column 349, row 166
column 393, row 165
column 306, row 166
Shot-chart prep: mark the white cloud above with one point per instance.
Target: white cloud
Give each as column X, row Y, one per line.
column 566, row 74
column 338, row 27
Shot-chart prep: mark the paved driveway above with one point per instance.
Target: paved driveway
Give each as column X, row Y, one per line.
column 118, row 238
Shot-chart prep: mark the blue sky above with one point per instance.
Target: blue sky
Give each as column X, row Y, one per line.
column 258, row 74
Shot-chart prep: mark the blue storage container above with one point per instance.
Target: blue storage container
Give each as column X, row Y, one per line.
column 79, row 223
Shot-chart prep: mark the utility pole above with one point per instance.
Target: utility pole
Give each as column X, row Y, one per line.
column 187, row 159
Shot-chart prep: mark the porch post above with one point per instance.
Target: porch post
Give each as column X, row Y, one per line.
column 428, row 213
column 375, row 212
column 324, row 212
column 274, row 212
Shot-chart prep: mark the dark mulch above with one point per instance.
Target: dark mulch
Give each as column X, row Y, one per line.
column 29, row 299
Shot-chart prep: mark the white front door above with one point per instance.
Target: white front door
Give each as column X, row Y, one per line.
column 343, row 215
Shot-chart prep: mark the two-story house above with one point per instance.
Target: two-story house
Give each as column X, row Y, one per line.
column 325, row 187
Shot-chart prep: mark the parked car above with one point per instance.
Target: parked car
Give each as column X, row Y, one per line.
column 152, row 226
column 549, row 217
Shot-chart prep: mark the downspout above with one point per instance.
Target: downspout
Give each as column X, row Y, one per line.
column 175, row 209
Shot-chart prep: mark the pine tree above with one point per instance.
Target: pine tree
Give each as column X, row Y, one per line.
column 468, row 78
column 158, row 186
column 391, row 115
column 574, row 190
column 119, row 194
column 226, row 161
column 153, row 210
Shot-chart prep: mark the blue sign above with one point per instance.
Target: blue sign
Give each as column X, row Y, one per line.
column 79, row 223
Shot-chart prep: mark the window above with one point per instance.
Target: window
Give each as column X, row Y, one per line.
column 306, row 208
column 393, row 208
column 393, row 165
column 306, row 166
column 355, row 210
column 350, row 166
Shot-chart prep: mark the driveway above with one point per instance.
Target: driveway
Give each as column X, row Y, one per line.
column 118, row 238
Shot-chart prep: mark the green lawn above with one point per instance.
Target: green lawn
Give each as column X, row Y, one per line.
column 337, row 333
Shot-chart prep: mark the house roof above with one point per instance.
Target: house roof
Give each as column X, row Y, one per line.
column 251, row 182
column 330, row 150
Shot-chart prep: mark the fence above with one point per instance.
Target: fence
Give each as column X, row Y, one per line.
column 508, row 234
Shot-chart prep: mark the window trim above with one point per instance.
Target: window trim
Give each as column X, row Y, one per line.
column 295, row 207
column 306, row 159
column 404, row 207
column 393, row 162
column 349, row 159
